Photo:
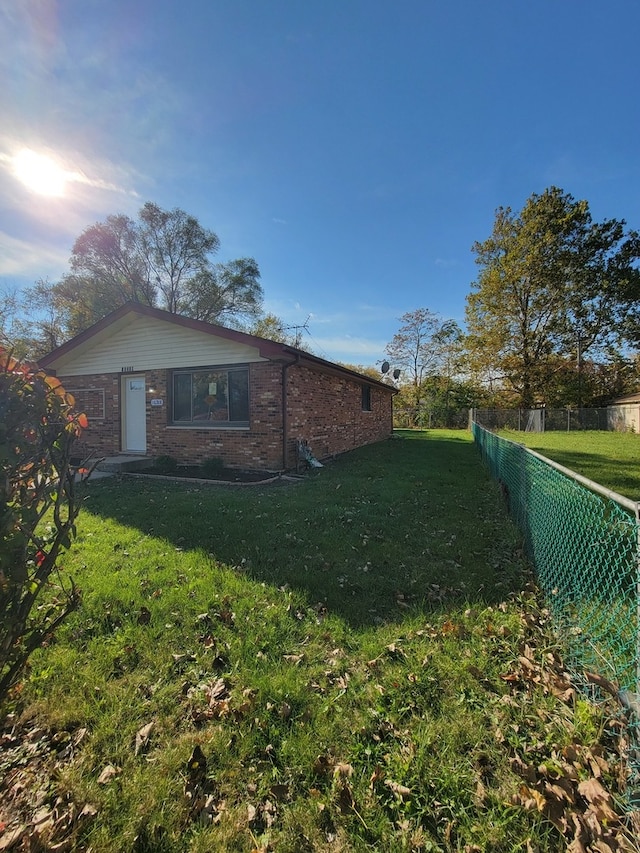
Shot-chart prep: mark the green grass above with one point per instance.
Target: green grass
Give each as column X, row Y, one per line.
column 342, row 650
column 611, row 459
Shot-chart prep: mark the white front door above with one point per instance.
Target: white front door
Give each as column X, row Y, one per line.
column 134, row 415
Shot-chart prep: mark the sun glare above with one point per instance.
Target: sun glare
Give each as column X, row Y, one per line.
column 39, row 173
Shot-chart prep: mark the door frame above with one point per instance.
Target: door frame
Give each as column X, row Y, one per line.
column 124, row 397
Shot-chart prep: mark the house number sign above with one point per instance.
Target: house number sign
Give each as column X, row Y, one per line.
column 157, row 402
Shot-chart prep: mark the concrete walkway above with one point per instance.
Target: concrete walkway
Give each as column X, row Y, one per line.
column 124, row 462
column 109, row 466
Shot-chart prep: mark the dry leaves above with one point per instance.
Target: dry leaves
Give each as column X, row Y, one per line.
column 568, row 788
column 143, row 736
column 211, row 700
column 108, row 774
column 32, row 815
column 261, row 816
column 204, row 803
column 401, row 791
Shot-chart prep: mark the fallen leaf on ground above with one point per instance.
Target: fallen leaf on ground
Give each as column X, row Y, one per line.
column 401, row 790
column 343, row 770
column 599, row 800
column 142, row 737
column 108, row 773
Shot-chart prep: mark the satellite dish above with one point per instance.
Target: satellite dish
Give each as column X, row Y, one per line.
column 385, row 367
column 396, row 373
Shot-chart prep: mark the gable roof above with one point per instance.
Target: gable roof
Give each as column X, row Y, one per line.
column 629, row 398
column 267, row 349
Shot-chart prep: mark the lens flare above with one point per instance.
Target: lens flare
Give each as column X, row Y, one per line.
column 39, row 173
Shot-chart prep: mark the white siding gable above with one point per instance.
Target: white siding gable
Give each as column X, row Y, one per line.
column 151, row 344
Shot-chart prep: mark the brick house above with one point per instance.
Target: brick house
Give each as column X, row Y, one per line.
column 159, row 384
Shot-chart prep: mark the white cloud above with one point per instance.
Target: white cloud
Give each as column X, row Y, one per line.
column 100, row 184
column 357, row 337
column 89, row 172
column 347, row 349
column 37, row 232
column 353, row 346
column 28, row 260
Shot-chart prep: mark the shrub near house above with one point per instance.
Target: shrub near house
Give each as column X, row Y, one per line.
column 38, row 426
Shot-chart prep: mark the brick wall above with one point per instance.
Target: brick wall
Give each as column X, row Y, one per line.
column 324, row 409
column 257, row 448
column 102, row 437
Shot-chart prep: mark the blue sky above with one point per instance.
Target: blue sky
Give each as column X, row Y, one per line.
column 355, row 148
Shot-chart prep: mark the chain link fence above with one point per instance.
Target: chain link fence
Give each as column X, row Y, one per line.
column 524, row 420
column 583, row 541
column 541, row 420
column 425, row 418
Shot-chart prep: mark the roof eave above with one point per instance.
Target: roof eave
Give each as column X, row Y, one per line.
column 267, row 349
column 270, row 350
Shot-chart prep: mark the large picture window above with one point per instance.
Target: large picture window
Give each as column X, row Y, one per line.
column 210, row 397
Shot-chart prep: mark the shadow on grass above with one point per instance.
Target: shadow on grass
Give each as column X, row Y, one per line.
column 411, row 523
column 613, row 467
column 616, row 475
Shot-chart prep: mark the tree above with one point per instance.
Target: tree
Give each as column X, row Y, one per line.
column 228, row 293
column 595, row 384
column 273, row 328
column 550, row 284
column 26, row 329
column 371, row 372
column 163, row 259
column 424, row 346
column 38, row 427
column 629, row 324
column 174, row 248
column 10, row 332
column 40, row 325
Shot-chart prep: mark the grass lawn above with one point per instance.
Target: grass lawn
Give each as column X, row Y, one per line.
column 347, row 663
column 611, row 459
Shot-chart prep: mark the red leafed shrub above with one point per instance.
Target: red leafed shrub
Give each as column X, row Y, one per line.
column 38, row 509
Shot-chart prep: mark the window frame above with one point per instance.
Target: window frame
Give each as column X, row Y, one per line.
column 204, row 423
column 366, row 397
